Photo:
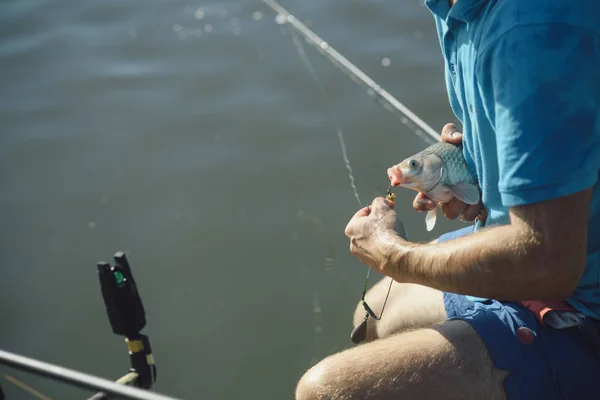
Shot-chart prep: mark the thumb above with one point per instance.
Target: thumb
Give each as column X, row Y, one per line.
column 423, row 203
column 450, row 134
column 363, row 212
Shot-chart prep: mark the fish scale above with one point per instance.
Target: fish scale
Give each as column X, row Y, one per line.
column 455, row 167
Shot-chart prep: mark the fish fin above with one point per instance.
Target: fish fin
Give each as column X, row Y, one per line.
column 466, row 192
column 430, row 219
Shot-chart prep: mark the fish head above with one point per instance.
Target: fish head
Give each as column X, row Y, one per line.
column 421, row 172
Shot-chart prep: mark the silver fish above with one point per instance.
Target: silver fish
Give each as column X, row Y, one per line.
column 440, row 172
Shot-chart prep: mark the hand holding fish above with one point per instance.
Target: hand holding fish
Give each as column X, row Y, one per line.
column 371, row 229
column 440, row 175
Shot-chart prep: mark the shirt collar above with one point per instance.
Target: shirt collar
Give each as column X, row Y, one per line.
column 438, row 7
column 463, row 10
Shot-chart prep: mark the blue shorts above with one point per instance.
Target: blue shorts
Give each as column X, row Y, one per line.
column 557, row 364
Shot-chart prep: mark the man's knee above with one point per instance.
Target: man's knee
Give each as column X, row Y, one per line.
column 317, row 383
column 409, row 307
column 359, row 314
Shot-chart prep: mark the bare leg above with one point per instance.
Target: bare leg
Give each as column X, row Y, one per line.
column 409, row 306
column 449, row 361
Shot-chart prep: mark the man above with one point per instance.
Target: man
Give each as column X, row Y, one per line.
column 523, row 77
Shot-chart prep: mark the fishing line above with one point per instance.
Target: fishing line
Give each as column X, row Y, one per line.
column 359, row 333
column 389, row 102
column 331, row 259
column 362, row 327
column 340, row 134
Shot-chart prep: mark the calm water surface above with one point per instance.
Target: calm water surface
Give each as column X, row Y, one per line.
column 192, row 136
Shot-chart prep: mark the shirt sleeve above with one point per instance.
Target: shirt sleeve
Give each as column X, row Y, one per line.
column 540, row 86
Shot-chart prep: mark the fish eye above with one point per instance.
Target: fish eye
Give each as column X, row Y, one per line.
column 412, row 163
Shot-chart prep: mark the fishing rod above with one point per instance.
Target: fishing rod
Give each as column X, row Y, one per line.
column 77, row 378
column 127, row 317
column 426, row 132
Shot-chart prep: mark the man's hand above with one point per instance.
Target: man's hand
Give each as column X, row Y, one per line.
column 455, row 208
column 371, row 230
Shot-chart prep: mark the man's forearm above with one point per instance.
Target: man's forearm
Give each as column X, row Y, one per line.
column 504, row 263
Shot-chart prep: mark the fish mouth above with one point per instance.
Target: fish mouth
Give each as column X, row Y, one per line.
column 397, row 177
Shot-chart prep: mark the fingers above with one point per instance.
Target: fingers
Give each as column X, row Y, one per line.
column 451, row 134
column 390, row 203
column 350, row 228
column 457, row 209
column 381, row 204
column 453, row 208
column 423, row 203
column 353, row 247
column 471, row 212
column 482, row 215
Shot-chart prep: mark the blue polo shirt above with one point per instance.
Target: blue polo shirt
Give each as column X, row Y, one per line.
column 523, row 77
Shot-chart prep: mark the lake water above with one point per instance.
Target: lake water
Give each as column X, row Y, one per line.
column 191, row 135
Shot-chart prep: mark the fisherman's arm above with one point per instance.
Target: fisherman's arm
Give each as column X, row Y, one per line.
column 540, row 255
column 542, row 97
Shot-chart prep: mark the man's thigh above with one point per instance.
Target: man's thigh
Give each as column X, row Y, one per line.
column 449, row 361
